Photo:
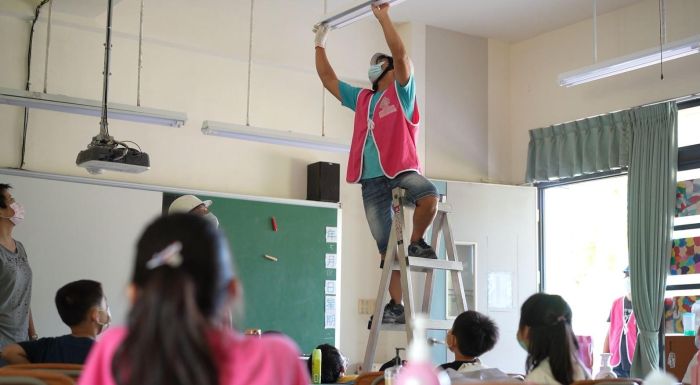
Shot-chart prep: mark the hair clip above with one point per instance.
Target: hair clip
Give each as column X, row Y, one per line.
column 169, row 256
column 561, row 318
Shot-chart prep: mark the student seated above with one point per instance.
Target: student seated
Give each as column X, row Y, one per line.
column 472, row 335
column 332, row 365
column 183, row 284
column 83, row 307
column 545, row 333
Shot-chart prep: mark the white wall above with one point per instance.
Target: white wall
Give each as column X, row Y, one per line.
column 502, row 220
column 99, row 244
column 456, row 109
column 536, row 99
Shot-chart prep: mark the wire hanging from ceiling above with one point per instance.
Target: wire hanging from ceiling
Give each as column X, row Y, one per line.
column 662, row 34
column 140, row 60
column 250, row 64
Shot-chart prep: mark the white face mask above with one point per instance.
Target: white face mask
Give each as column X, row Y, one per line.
column 374, row 72
column 212, row 218
column 19, row 213
column 628, row 286
column 104, row 324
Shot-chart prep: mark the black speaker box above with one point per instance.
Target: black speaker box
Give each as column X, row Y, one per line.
column 323, row 182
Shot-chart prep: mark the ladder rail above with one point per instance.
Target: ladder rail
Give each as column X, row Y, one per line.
column 396, row 255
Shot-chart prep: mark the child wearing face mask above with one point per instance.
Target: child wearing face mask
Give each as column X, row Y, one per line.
column 83, row 307
column 621, row 339
column 545, row 333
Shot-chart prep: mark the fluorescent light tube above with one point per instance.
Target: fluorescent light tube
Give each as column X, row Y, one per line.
column 351, row 15
column 266, row 135
column 631, row 62
column 89, row 107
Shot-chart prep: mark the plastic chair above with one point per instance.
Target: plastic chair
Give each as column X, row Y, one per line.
column 33, row 377
column 71, row 370
column 369, row 377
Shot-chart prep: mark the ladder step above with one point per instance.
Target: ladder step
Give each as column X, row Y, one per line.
column 430, row 324
column 425, row 264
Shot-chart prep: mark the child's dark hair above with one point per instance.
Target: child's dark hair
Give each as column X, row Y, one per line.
column 74, row 300
column 332, row 363
column 476, row 333
column 550, row 335
column 175, row 305
column 3, row 187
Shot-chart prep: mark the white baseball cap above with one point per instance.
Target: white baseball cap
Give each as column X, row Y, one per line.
column 377, row 56
column 186, row 203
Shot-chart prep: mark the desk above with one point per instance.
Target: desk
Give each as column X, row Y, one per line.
column 677, row 354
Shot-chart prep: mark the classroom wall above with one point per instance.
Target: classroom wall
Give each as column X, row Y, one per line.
column 457, row 68
column 195, row 61
column 536, row 99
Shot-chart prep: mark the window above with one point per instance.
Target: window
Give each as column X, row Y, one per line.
column 585, row 245
column 583, row 239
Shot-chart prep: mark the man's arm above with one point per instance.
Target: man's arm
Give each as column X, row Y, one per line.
column 402, row 63
column 14, row 354
column 326, row 73
column 323, row 66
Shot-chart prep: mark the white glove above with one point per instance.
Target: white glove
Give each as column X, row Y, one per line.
column 321, row 35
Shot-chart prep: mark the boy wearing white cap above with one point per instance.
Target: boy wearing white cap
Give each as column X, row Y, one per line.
column 383, row 152
column 192, row 204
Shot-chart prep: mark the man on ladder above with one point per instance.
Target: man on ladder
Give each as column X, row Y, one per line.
column 383, row 151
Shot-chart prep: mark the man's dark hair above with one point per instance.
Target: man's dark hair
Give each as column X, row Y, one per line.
column 74, row 300
column 3, row 187
column 332, row 363
column 476, row 333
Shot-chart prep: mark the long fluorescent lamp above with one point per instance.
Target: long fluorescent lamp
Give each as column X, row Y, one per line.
column 631, row 62
column 266, row 135
column 349, row 16
column 89, row 107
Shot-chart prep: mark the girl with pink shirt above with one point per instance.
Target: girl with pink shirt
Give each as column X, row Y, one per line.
column 182, row 289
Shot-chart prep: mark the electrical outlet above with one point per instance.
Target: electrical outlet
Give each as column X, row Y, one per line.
column 365, row 306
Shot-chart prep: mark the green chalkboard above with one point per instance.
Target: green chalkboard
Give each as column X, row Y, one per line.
column 287, row 295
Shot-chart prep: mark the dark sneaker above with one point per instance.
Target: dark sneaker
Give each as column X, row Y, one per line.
column 393, row 314
column 421, row 249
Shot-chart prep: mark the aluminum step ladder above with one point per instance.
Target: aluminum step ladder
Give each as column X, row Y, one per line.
column 396, row 259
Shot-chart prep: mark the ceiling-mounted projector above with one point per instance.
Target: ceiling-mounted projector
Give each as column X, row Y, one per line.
column 104, row 152
column 99, row 157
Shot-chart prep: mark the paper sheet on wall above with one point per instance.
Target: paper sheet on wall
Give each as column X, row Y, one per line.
column 330, row 304
column 331, row 261
column 500, row 291
column 330, row 321
column 331, row 235
column 329, row 313
column 330, row 287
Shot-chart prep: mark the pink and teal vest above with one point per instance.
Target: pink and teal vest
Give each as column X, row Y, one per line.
column 394, row 135
column 617, row 324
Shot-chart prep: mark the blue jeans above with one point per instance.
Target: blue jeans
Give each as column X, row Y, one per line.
column 376, row 196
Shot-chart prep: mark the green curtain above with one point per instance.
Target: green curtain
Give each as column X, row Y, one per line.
column 643, row 139
column 650, row 210
column 586, row 146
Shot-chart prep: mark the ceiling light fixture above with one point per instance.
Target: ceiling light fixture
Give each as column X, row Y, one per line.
column 266, row 135
column 71, row 105
column 353, row 14
column 646, row 58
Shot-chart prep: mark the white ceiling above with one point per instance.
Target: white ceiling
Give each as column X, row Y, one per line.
column 509, row 20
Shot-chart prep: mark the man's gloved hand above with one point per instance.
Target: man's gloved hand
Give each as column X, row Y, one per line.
column 321, row 35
